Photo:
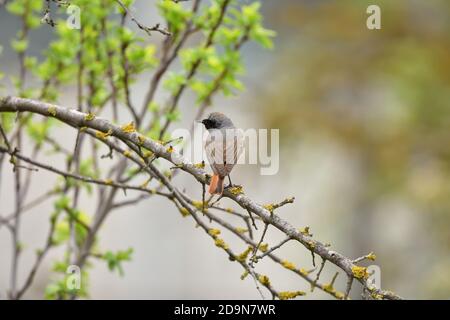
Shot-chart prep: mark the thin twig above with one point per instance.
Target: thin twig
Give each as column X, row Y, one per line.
column 272, row 249
column 148, row 30
column 322, row 265
column 349, row 287
column 40, row 256
column 255, row 250
column 73, row 118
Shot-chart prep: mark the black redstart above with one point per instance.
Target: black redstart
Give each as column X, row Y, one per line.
column 223, row 148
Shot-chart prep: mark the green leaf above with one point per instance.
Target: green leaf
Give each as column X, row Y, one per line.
column 58, row 289
column 126, row 3
column 263, row 36
column 174, row 81
column 16, row 7
column 99, row 96
column 60, row 266
column 202, row 89
column 39, row 130
column 7, row 121
column 61, row 233
column 173, row 116
column 55, row 290
column 33, row 21
column 175, row 15
column 126, row 35
column 87, row 168
column 250, row 14
column 228, row 36
column 153, row 106
column 19, row 45
column 125, row 255
column 62, row 203
column 114, row 260
column 30, row 62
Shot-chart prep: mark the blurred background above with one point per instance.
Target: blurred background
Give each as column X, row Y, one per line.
column 364, row 119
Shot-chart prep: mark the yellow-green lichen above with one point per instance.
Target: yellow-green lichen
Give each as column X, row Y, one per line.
column 127, row 153
column 236, row 190
column 168, row 174
column 108, row 181
column 89, row 116
column 147, row 154
column 128, row 128
column 243, row 256
column 244, row 275
column 269, row 207
column 169, row 149
column 220, row 243
column 214, row 232
column 371, row 256
column 264, row 280
column 145, row 183
column 328, row 288
column 360, row 272
column 311, row 244
column 241, row 230
column 377, row 296
column 305, row 231
column 52, row 110
column 263, row 247
column 339, row 295
column 103, row 135
column 184, row 212
column 285, row 295
column 200, row 165
column 304, row 272
column 198, row 204
column 288, row 265
column 141, row 139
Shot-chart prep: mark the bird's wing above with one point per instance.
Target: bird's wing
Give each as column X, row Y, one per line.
column 210, row 148
column 233, row 147
column 223, row 149
column 238, row 145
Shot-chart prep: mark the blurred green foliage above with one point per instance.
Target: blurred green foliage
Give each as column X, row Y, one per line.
column 383, row 96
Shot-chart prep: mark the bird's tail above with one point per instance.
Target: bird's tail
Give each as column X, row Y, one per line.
column 216, row 185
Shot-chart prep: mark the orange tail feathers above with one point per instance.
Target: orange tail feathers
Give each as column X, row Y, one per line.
column 216, row 185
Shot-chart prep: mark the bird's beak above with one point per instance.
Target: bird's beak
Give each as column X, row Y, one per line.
column 204, row 121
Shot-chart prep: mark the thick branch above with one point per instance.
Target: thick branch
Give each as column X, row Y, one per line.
column 79, row 119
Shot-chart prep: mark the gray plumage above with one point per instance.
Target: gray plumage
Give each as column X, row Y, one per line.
column 224, row 144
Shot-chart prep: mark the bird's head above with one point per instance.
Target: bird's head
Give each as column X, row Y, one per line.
column 217, row 120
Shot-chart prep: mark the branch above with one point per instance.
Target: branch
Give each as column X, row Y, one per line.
column 148, row 30
column 196, row 64
column 76, row 176
column 167, row 58
column 40, row 256
column 79, row 119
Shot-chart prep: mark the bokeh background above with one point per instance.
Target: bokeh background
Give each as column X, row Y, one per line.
column 364, row 119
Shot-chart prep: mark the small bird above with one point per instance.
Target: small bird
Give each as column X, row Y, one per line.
column 223, row 147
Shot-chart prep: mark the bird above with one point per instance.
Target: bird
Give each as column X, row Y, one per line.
column 223, row 147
